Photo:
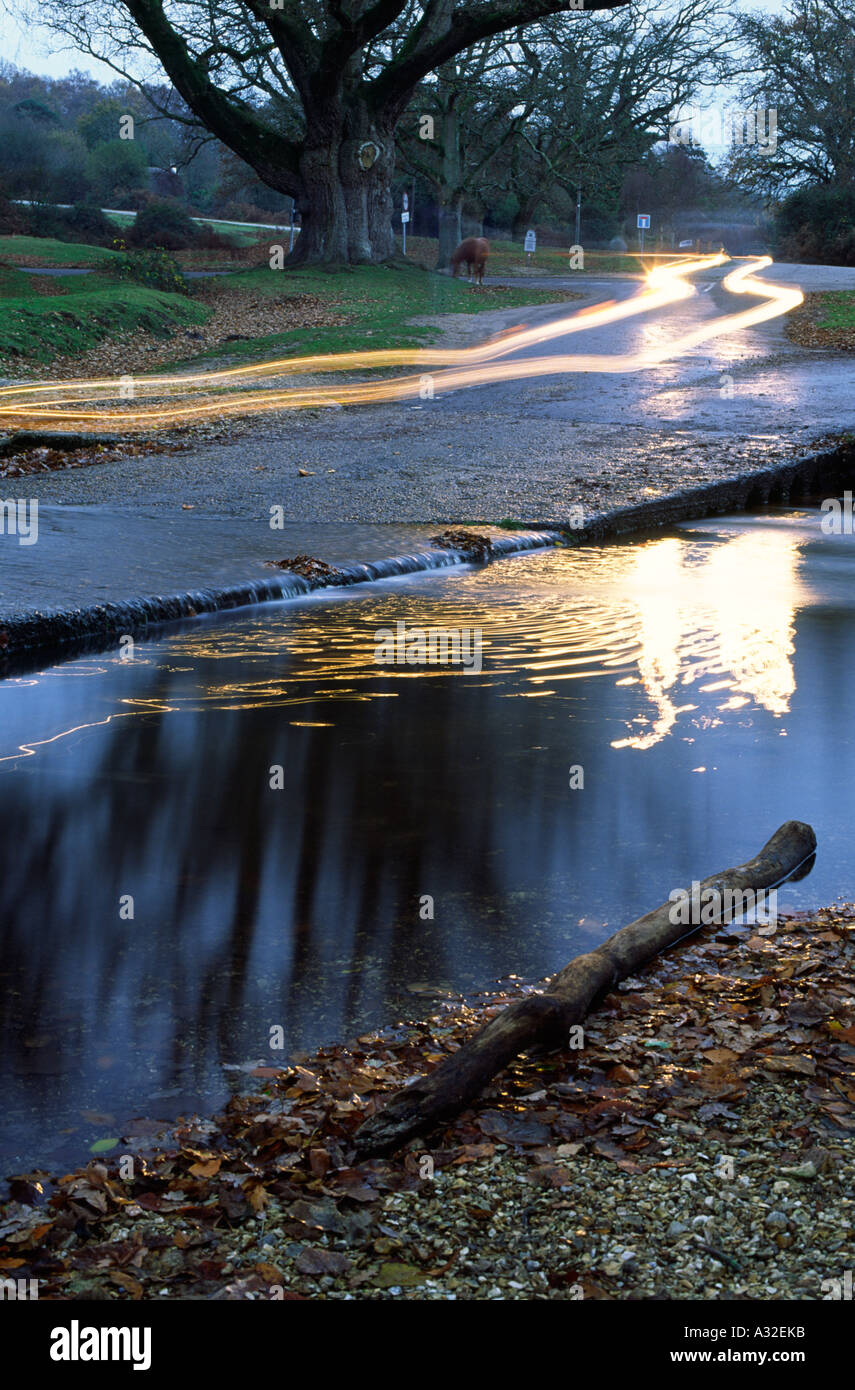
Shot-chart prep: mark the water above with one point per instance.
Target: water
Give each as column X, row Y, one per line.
column 701, row 680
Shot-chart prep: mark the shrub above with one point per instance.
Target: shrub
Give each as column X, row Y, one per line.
column 88, row 223
column 235, row 211
column 154, row 268
column 79, row 223
column 13, row 220
column 165, row 223
column 818, row 224
column 211, row 240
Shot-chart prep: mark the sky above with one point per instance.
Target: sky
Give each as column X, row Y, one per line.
column 31, row 48
column 36, row 50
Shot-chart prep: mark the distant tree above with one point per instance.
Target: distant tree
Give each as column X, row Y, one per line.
column 569, row 103
column 117, row 167
column 606, row 93
column 36, row 111
column 65, row 166
column 801, row 64
column 25, row 154
column 675, row 183
column 307, row 92
column 471, row 106
column 101, row 123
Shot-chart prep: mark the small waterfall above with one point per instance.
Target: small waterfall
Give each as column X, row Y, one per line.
column 95, row 627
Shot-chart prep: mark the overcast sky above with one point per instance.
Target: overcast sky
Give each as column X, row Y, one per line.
column 34, row 49
column 31, row 48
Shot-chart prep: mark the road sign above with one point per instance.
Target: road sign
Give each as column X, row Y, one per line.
column 406, row 202
column 405, row 217
column 643, row 221
column 530, row 242
column 686, row 243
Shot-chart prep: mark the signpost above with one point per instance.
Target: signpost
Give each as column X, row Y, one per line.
column 405, row 217
column 643, row 224
column 530, row 244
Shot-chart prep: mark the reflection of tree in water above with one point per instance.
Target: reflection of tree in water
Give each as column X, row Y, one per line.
column 234, row 881
column 256, row 906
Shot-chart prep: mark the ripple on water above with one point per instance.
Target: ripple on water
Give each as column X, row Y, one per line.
column 279, row 807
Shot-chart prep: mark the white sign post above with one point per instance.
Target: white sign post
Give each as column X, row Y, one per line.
column 405, row 217
column 643, row 224
column 530, row 244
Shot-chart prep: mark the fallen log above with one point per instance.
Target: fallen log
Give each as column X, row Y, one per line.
column 546, row 1018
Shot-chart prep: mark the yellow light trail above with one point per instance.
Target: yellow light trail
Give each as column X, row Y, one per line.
column 44, row 405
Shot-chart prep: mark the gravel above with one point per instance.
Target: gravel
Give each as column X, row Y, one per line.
column 698, row 1147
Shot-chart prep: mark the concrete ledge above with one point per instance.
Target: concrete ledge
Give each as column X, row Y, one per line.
column 776, row 485
column 36, row 638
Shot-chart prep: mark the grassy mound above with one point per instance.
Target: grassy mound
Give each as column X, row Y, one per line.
column 44, row 317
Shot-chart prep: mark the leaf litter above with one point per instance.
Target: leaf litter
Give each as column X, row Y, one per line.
column 716, row 1165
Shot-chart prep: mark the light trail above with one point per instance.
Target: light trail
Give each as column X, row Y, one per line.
column 60, row 404
column 660, row 291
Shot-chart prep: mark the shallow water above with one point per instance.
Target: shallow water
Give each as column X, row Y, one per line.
column 701, row 680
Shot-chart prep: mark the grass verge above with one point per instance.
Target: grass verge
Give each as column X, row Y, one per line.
column 825, row 320
column 46, row 318
column 41, row 250
column 508, row 258
column 43, row 318
column 376, row 302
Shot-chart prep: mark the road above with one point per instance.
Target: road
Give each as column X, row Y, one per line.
column 531, row 450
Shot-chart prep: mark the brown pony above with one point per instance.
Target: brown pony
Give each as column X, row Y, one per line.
column 472, row 252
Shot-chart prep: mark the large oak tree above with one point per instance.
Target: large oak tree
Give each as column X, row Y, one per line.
column 801, row 65
column 307, row 92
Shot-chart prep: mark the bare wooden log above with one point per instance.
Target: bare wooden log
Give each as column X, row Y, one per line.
column 547, row 1018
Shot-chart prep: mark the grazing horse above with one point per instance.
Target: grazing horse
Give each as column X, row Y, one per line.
column 472, row 252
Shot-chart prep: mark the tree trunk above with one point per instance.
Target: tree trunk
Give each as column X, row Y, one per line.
column 346, row 199
column 450, row 229
column 546, row 1018
column 449, row 189
column 525, row 217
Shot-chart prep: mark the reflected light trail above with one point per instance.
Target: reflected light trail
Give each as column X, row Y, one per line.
column 685, row 624
column 227, row 393
column 731, row 616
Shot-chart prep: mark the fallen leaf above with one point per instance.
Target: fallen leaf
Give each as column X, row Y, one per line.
column 392, row 1276
column 803, row 1065
column 315, row 1261
column 103, row 1146
column 207, row 1168
column 127, row 1282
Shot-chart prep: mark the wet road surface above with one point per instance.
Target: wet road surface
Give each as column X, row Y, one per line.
column 531, row 450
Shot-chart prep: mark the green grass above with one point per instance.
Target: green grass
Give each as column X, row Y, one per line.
column 378, row 302
column 509, row 258
column 46, row 251
column 80, row 312
column 236, row 232
column 840, row 307
column 44, row 317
